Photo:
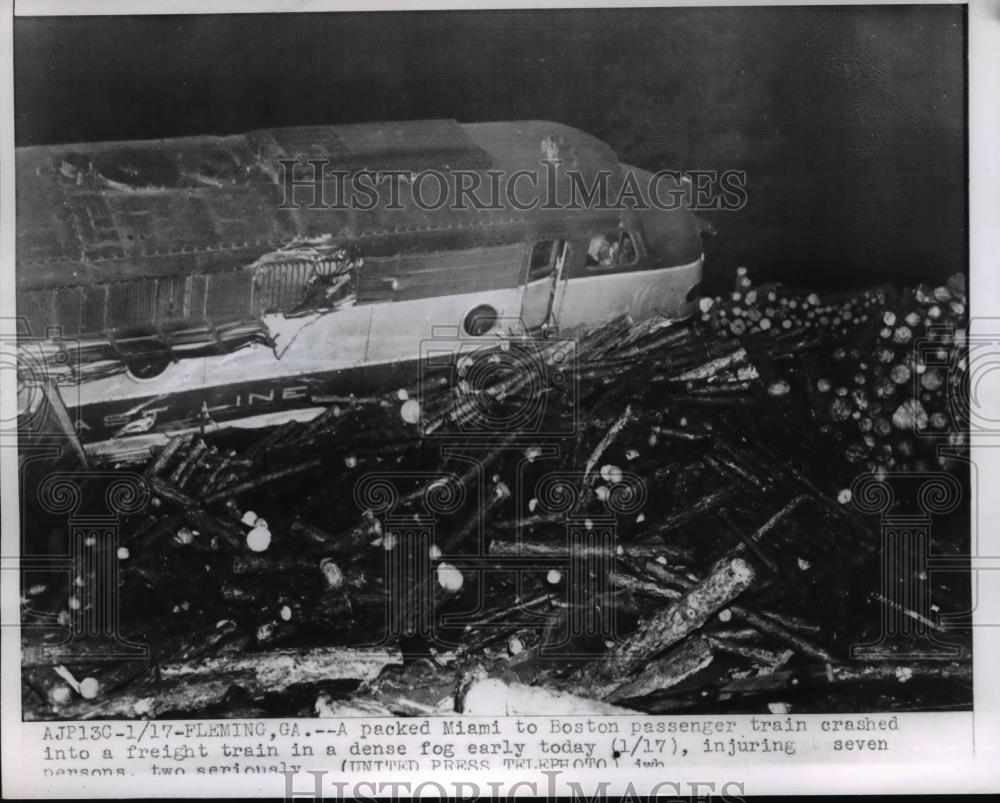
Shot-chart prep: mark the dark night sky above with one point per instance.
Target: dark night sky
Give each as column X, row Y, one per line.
column 849, row 121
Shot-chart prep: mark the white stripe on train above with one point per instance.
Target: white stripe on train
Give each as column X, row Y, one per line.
column 379, row 334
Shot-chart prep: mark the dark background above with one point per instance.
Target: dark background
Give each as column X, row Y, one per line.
column 849, row 121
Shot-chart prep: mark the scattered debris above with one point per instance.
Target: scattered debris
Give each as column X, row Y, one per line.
column 725, row 445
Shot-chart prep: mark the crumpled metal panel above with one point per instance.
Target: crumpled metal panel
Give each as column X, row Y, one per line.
column 107, row 212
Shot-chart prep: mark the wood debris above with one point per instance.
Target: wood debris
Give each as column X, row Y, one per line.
column 734, row 568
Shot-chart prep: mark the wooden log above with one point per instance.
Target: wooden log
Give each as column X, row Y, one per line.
column 276, row 670
column 688, row 435
column 49, row 647
column 667, row 576
column 720, row 586
column 329, row 707
column 200, row 518
column 242, row 593
column 274, row 630
column 710, row 501
column 772, row 628
column 504, row 611
column 720, row 388
column 593, row 344
column 693, row 401
column 206, row 522
column 351, row 541
column 169, row 492
column 748, row 543
column 781, row 466
column 263, row 479
column 154, row 698
column 562, row 550
column 623, row 420
column 191, row 458
column 109, row 679
column 643, row 587
column 489, row 628
column 736, row 633
column 334, row 414
column 829, row 675
column 791, row 622
column 53, row 690
column 779, row 517
column 711, row 368
column 673, row 337
column 494, row 697
column 258, row 564
column 422, row 688
column 725, row 465
column 698, row 353
column 676, row 666
column 765, row 622
column 270, row 438
column 528, row 523
column 497, row 497
column 151, row 529
column 217, row 476
column 205, row 454
column 167, row 454
column 758, row 655
column 471, row 473
column 195, row 643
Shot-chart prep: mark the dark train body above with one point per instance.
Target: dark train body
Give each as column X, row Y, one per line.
column 170, row 284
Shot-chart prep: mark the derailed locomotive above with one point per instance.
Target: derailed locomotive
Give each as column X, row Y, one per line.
column 171, row 285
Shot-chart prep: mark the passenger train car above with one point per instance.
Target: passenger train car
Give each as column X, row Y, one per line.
column 172, row 284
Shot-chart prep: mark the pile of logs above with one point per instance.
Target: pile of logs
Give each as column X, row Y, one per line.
column 736, row 578
column 886, row 383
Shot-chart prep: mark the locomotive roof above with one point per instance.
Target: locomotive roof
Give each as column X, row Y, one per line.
column 116, row 210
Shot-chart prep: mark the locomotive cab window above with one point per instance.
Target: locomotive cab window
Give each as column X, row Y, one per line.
column 543, row 256
column 614, row 250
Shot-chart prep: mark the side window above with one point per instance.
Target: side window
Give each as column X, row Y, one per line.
column 614, row 250
column 542, row 257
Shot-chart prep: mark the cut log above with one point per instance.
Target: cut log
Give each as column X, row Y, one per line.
column 196, row 514
column 167, row 454
column 757, row 655
column 263, row 479
column 772, row 628
column 643, row 587
column 496, row 498
column 350, row 541
column 676, row 666
column 623, row 420
column 711, row 367
column 562, row 550
column 257, row 564
column 329, row 707
column 152, row 699
column 187, row 462
column 47, row 684
column 724, row 583
column 276, row 670
column 710, row 501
